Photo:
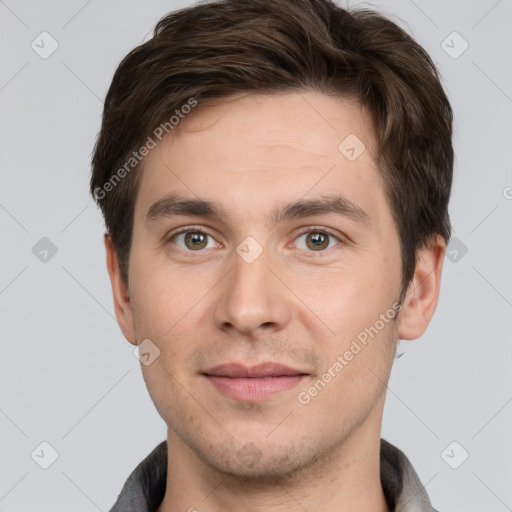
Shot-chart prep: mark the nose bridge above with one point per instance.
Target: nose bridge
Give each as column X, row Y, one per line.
column 251, row 296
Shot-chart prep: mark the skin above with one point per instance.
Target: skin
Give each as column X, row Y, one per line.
column 294, row 304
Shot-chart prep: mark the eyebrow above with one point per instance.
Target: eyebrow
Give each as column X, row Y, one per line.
column 175, row 205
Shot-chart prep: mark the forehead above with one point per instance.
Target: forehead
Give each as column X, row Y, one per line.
column 255, row 149
column 296, row 123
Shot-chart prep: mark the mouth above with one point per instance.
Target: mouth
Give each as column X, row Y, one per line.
column 253, row 383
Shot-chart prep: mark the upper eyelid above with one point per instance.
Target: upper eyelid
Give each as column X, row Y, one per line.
column 319, row 229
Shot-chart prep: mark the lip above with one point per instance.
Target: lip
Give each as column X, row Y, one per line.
column 253, row 383
column 238, row 370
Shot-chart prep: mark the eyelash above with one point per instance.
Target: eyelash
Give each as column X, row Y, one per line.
column 191, row 229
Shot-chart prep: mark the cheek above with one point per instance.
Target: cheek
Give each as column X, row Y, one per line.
column 352, row 380
column 167, row 311
column 356, row 303
column 167, row 393
column 348, row 298
column 160, row 298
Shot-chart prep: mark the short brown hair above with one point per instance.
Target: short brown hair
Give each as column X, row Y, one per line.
column 216, row 49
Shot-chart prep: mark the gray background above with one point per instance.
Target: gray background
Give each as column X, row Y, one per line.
column 69, row 378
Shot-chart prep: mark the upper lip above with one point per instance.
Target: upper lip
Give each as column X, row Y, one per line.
column 238, row 370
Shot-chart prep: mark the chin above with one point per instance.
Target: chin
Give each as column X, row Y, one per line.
column 256, row 463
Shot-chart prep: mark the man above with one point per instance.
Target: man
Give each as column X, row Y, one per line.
column 275, row 178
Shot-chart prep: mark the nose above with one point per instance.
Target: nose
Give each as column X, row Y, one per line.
column 253, row 298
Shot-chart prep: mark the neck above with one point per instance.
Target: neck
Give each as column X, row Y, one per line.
column 347, row 479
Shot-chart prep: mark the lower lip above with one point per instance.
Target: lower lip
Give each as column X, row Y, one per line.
column 248, row 389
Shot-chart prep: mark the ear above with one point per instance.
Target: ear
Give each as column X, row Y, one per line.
column 423, row 292
column 122, row 303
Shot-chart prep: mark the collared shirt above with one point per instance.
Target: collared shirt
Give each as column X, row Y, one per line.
column 145, row 488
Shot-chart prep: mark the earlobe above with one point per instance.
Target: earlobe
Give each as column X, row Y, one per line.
column 423, row 292
column 121, row 296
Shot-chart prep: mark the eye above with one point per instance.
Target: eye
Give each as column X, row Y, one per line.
column 193, row 240
column 197, row 240
column 317, row 241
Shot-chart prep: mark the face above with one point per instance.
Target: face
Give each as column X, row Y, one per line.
column 272, row 304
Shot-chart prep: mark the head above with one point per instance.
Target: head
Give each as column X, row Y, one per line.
column 259, row 119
